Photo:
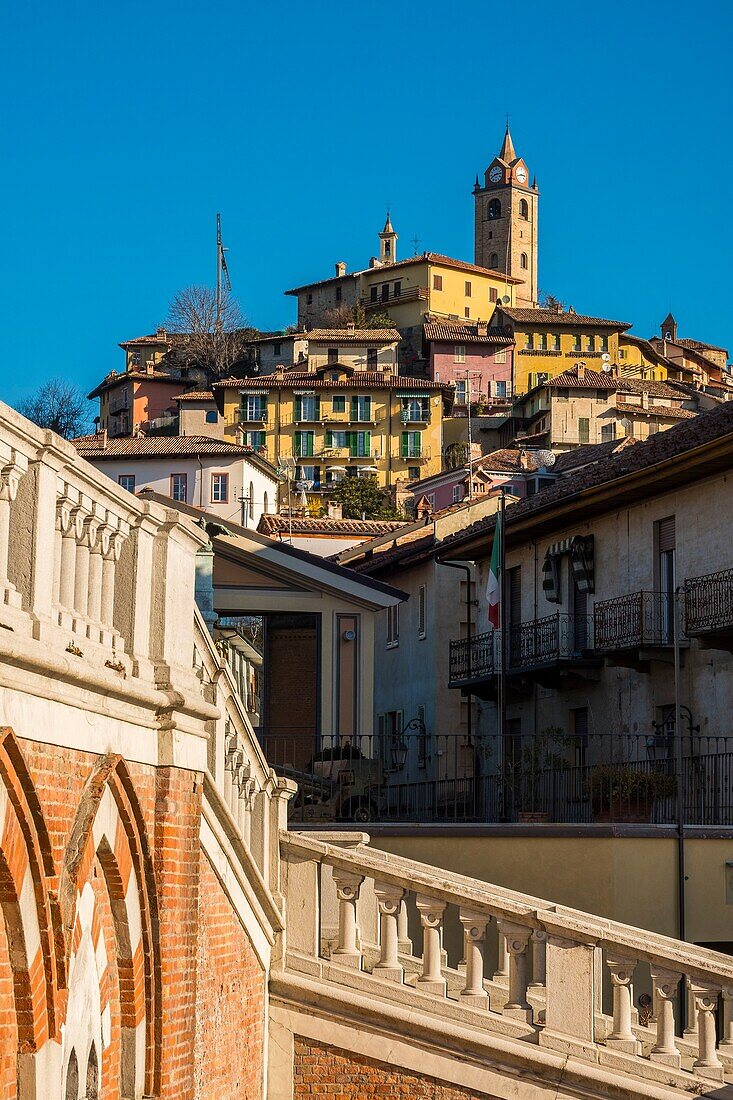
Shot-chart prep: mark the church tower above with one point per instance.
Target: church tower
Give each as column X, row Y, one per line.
column 505, row 226
column 388, row 243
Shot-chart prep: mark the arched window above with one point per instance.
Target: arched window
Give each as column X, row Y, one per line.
column 523, row 261
column 266, row 504
column 92, row 1092
column 494, row 260
column 494, row 209
column 72, row 1077
column 523, row 209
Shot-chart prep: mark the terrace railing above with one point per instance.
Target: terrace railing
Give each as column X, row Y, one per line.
column 709, row 603
column 633, row 621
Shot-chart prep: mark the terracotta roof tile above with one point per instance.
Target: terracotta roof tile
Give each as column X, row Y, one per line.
column 565, row 461
column 154, row 446
column 465, row 334
column 656, row 410
column 353, row 336
column 566, row 318
column 310, row 525
column 195, row 395
column 368, row 380
column 114, row 379
column 699, row 345
column 591, row 380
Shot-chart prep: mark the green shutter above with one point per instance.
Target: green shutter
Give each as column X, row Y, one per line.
column 367, row 443
column 318, row 408
column 416, row 445
column 352, row 442
column 354, row 408
column 298, row 408
column 263, row 407
column 329, row 439
column 368, row 404
column 296, row 444
column 405, row 444
column 309, row 444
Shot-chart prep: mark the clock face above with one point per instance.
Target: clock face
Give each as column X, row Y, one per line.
column 522, row 174
column 495, row 174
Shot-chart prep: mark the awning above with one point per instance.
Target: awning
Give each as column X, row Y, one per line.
column 338, row 469
column 582, row 562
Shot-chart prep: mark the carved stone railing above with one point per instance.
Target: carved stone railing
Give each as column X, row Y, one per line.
column 351, row 911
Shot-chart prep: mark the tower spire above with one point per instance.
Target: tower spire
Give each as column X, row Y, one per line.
column 507, row 153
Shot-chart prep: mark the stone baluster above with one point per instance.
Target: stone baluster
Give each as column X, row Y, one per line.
column 86, row 532
column 517, row 939
column 431, row 917
column 348, row 950
column 501, row 974
column 690, row 1032
column 403, row 931
column 474, row 929
column 622, row 971
column 237, row 764
column 389, row 900
column 10, row 474
column 110, row 557
column 665, row 984
column 539, row 958
column 707, row 1064
column 69, row 520
column 726, row 1038
column 247, row 791
column 230, row 753
column 94, row 607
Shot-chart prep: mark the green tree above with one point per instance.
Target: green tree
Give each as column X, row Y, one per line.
column 362, row 498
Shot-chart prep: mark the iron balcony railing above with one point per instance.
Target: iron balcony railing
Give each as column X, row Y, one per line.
column 473, row 658
column 553, row 638
column 544, row 778
column 709, row 603
column 406, row 294
column 632, row 621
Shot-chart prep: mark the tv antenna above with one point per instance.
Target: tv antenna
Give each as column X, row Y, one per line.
column 416, row 242
column 222, row 271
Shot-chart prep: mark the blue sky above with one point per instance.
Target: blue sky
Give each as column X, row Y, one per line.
column 127, row 126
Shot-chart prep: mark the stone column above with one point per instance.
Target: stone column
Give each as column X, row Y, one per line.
column 110, row 557
column 94, row 606
column 389, row 900
column 622, row 971
column 68, row 556
column 403, row 932
column 431, row 917
column 665, row 984
column 517, row 940
column 501, row 974
column 474, row 929
column 85, row 531
column 10, row 475
column 539, row 958
column 348, row 951
column 707, row 1063
column 726, row 1039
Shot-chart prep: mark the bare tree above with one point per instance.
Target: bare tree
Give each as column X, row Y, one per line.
column 60, row 406
column 214, row 343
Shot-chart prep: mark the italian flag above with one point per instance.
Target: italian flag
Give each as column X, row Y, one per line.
column 493, row 588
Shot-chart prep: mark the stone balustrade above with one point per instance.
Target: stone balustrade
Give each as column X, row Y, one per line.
column 560, row 979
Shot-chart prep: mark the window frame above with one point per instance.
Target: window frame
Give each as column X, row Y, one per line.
column 224, row 476
column 437, row 281
column 184, row 498
column 122, row 478
column 459, row 353
column 422, row 608
column 393, row 626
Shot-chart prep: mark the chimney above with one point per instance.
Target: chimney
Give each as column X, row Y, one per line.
column 482, row 328
column 335, row 510
column 581, row 372
column 103, row 437
column 645, row 399
column 350, row 326
column 523, row 459
column 340, row 269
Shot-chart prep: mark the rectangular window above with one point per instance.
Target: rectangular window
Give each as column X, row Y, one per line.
column 466, row 312
column 422, row 596
column 500, row 356
column 276, row 349
column 604, row 343
column 556, row 341
column 437, row 282
column 361, row 409
column 179, row 485
column 309, row 299
column 461, row 391
column 372, row 358
column 393, row 626
column 577, row 343
column 373, row 292
column 467, row 288
column 254, row 407
column 336, row 439
column 457, row 493
column 413, row 472
column 385, row 292
column 310, row 473
column 493, row 294
column 338, row 293
column 212, row 416
column 333, row 355
column 415, row 408
column 127, row 481
column 360, row 444
column 255, row 440
column 500, row 389
column 590, row 343
column 398, row 290
column 608, row 432
column 411, row 444
column 529, row 341
column 307, row 407
column 459, row 353
column 583, row 429
column 542, row 344
column 304, row 444
column 338, row 403
column 219, row 488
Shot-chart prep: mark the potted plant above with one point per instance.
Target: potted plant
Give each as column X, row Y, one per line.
column 627, row 792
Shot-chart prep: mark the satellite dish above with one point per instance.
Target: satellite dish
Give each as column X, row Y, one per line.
column 606, row 368
column 606, row 357
column 505, row 299
column 545, row 458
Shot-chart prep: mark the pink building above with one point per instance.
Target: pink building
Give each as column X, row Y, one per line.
column 510, row 468
column 471, row 358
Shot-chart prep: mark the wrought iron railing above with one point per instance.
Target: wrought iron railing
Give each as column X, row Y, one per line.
column 552, row 638
column 634, row 620
column 709, row 602
column 472, row 658
column 406, row 294
column 550, row 777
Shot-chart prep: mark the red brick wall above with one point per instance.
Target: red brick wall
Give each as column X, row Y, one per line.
column 230, row 1001
column 320, row 1070
column 8, row 1030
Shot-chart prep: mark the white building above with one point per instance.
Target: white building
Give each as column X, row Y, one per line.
column 223, row 478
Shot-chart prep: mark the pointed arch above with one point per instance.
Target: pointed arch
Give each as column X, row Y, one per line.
column 29, row 910
column 109, row 828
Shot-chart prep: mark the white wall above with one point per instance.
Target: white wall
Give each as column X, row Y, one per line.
column 155, row 474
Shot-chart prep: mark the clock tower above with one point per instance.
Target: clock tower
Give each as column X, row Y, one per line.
column 505, row 233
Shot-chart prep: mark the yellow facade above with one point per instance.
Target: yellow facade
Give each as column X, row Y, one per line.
column 332, row 423
column 638, row 359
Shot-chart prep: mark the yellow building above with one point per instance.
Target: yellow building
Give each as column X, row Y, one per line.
column 336, row 422
column 639, row 358
column 548, row 341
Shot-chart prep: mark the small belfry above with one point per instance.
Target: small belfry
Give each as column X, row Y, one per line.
column 388, row 243
column 505, row 221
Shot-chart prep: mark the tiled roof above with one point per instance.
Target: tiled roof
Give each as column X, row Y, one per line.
column 656, row 410
column 153, row 339
column 698, row 345
column 662, row 446
column 309, row 525
column 465, row 334
column 505, row 460
column 591, row 380
column 644, row 385
column 565, row 461
column 195, row 395
column 430, row 257
column 114, row 379
column 155, row 446
column 566, row 318
column 353, row 336
column 360, row 380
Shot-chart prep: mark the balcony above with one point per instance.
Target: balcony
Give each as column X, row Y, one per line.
column 346, row 453
column 242, row 416
column 424, row 455
column 635, row 629
column 407, row 294
column 709, row 609
column 471, row 659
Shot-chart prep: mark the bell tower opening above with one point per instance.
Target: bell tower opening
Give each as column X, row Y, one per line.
column 388, row 243
column 505, row 221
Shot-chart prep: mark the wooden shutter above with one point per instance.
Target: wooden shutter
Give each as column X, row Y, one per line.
column 352, row 443
column 318, row 408
column 367, row 447
column 298, row 408
column 354, row 409
column 329, row 439
column 405, row 444
column 666, row 534
column 515, row 595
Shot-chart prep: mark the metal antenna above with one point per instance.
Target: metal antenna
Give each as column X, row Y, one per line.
column 416, row 241
column 222, row 271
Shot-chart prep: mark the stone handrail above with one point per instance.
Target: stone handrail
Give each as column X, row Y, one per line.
column 350, row 908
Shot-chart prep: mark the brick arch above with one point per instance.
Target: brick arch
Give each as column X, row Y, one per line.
column 29, row 909
column 109, row 830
